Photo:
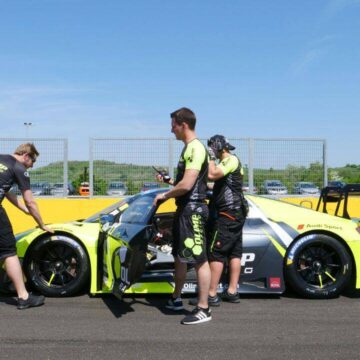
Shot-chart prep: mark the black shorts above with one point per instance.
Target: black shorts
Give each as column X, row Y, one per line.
column 189, row 233
column 7, row 238
column 225, row 238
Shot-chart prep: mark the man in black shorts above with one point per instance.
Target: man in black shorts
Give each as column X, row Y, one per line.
column 13, row 170
column 227, row 217
column 189, row 240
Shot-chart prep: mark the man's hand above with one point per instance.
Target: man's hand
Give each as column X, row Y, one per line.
column 47, row 229
column 159, row 197
column 211, row 152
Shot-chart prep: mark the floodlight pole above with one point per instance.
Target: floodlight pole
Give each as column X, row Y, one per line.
column 27, row 126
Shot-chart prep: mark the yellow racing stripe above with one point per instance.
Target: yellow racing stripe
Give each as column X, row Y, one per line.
column 278, row 247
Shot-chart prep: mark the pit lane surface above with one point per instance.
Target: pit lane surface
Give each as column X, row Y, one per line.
column 140, row 328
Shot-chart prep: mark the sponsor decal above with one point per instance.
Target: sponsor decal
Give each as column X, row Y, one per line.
column 245, row 260
column 300, row 227
column 323, row 226
column 190, row 286
column 275, row 283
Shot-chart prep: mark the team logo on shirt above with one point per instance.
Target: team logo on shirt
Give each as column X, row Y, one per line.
column 26, row 174
column 3, row 168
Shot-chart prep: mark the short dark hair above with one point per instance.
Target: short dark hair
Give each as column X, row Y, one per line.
column 184, row 115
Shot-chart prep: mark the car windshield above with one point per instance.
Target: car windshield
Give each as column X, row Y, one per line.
column 116, row 186
column 275, row 183
column 138, row 210
column 134, row 209
column 307, row 185
column 108, row 210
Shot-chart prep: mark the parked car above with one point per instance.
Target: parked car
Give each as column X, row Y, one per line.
column 306, row 188
column 246, row 188
column 274, row 187
column 116, row 188
column 149, row 185
column 58, row 189
column 42, row 188
column 128, row 249
column 336, row 183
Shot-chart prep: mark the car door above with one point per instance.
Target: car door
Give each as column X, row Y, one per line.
column 126, row 244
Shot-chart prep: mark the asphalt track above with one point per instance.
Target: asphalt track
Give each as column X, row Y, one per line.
column 140, row 328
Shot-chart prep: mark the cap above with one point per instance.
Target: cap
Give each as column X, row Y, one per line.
column 219, row 142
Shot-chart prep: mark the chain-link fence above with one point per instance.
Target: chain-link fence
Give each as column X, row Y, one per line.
column 124, row 166
column 49, row 175
column 271, row 166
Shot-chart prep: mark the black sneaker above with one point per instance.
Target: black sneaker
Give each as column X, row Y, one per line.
column 212, row 300
column 175, row 304
column 232, row 298
column 197, row 316
column 31, row 301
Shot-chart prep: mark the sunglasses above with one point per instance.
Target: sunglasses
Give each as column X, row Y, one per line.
column 33, row 158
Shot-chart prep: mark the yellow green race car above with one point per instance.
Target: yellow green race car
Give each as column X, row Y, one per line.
column 127, row 249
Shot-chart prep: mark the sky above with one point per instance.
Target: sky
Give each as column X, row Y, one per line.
column 81, row 69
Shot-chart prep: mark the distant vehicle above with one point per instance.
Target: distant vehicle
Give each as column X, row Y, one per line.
column 58, row 189
column 148, row 185
column 246, row 188
column 116, row 188
column 84, row 189
column 336, row 183
column 41, row 188
column 306, row 188
column 274, row 187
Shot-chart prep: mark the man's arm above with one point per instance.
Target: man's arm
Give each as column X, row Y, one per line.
column 214, row 172
column 182, row 187
column 15, row 201
column 34, row 210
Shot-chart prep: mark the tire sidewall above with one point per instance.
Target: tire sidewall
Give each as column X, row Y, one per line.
column 300, row 285
column 69, row 289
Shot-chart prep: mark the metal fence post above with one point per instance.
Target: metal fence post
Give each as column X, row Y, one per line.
column 91, row 167
column 66, row 175
column 325, row 163
column 251, row 165
column 171, row 158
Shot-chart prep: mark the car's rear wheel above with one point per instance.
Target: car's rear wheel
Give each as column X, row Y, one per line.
column 57, row 266
column 318, row 266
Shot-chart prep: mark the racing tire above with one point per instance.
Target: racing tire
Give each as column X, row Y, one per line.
column 57, row 266
column 318, row 266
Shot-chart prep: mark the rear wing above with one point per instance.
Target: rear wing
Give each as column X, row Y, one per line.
column 331, row 194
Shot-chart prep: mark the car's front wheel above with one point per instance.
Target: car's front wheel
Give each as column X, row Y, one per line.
column 318, row 266
column 57, row 266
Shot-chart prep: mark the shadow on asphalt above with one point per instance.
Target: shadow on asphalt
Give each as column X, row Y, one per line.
column 155, row 301
column 7, row 299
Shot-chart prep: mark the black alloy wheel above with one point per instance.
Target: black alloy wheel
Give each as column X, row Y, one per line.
column 57, row 266
column 318, row 266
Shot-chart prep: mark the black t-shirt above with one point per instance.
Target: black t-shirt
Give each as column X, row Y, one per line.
column 12, row 172
column 193, row 156
column 227, row 190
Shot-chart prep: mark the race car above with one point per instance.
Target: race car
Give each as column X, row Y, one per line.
column 127, row 249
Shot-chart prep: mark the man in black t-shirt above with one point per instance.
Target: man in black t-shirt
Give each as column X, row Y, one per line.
column 189, row 245
column 228, row 213
column 13, row 170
